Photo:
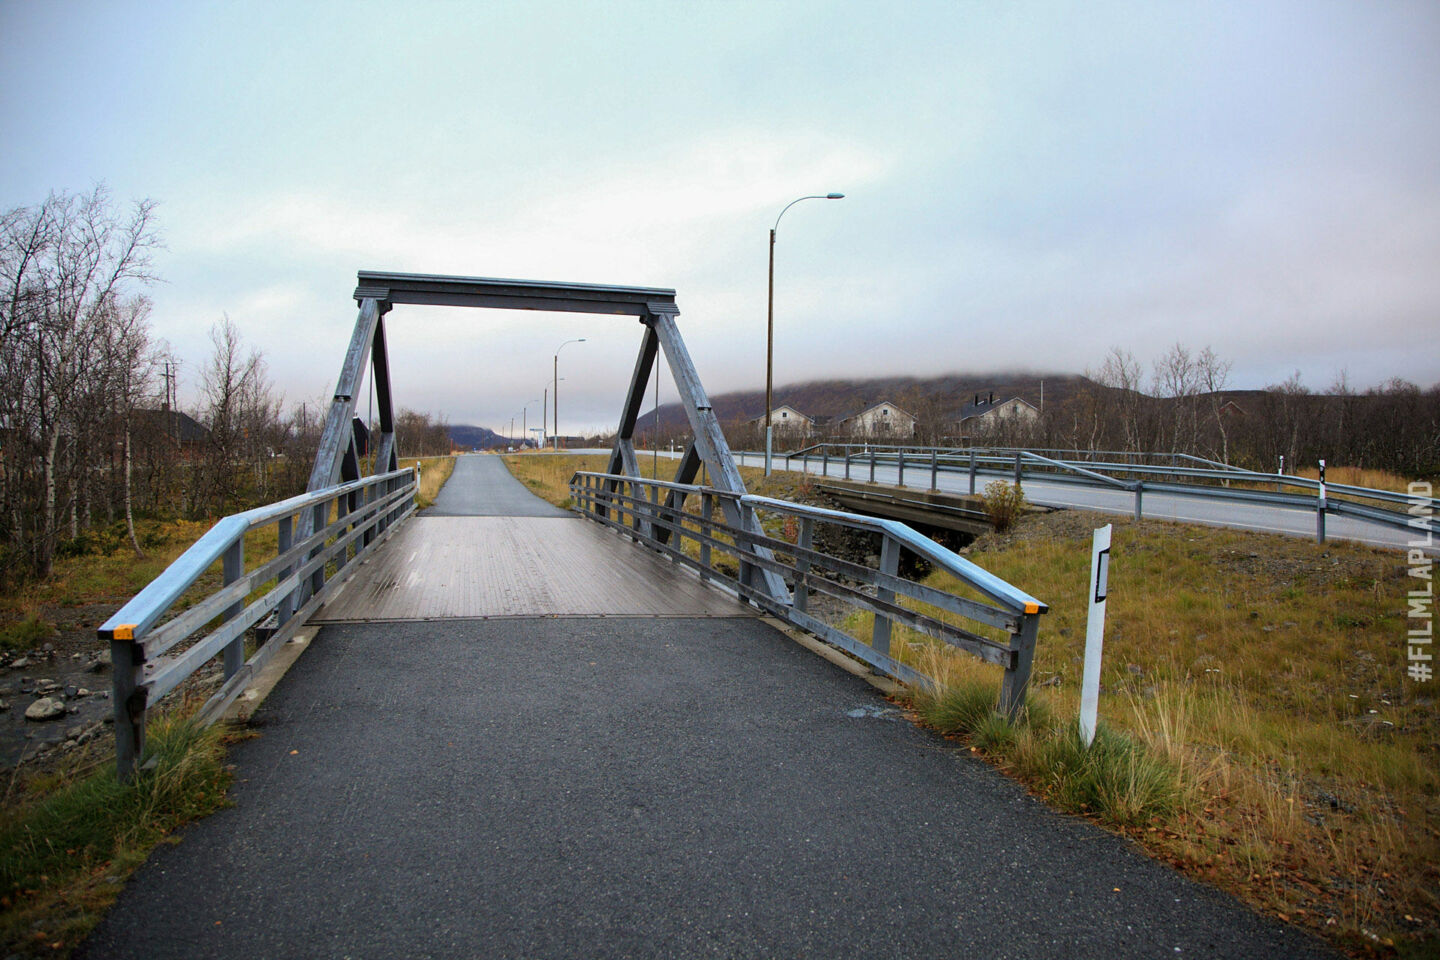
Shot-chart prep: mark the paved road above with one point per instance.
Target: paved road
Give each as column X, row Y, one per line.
column 1161, row 506
column 636, row 788
column 482, row 487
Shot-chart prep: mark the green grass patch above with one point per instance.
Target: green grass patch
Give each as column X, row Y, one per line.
column 26, row 634
column 1116, row 779
column 65, row 851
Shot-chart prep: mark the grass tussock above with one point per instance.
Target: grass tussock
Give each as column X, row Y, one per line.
column 66, row 849
column 1117, row 779
column 24, row 634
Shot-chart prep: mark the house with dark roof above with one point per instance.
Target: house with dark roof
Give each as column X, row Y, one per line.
column 883, row 419
column 985, row 412
column 786, row 421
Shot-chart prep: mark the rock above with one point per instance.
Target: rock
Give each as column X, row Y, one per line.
column 73, row 733
column 101, row 663
column 81, row 692
column 20, row 664
column 1135, row 669
column 4, row 706
column 49, row 648
column 27, row 685
column 71, row 690
column 46, row 708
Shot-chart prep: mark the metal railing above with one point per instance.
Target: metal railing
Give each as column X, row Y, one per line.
column 150, row 658
column 1135, row 473
column 652, row 512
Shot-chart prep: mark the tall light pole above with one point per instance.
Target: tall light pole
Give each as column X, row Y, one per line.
column 555, row 391
column 544, row 414
column 770, row 323
column 525, row 423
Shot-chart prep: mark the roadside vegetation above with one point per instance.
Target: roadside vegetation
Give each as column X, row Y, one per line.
column 434, row 471
column 74, row 836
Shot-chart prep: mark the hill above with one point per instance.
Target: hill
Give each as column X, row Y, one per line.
column 926, row 397
column 468, row 437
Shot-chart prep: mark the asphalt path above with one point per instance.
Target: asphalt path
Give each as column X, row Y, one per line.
column 481, row 486
column 636, row 788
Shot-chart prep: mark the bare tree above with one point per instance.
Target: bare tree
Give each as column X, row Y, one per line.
column 1214, row 377
column 64, row 266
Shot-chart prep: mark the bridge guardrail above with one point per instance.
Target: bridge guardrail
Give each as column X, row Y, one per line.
column 652, row 512
column 1182, row 474
column 150, row 659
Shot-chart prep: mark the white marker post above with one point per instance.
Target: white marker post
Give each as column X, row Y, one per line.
column 1095, row 632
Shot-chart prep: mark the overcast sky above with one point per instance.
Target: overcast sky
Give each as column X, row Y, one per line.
column 1027, row 184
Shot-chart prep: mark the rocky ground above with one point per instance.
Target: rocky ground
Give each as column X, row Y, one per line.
column 56, row 695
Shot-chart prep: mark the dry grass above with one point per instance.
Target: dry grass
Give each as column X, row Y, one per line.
column 1359, row 477
column 434, row 471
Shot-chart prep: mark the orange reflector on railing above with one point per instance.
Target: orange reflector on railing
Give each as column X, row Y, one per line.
column 125, row 632
column 1032, row 608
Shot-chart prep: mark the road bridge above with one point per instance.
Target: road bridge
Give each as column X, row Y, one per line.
column 518, row 733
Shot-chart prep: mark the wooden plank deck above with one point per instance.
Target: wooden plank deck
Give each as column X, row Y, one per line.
column 470, row 567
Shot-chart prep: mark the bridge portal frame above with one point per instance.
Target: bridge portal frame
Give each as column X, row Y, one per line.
column 338, row 458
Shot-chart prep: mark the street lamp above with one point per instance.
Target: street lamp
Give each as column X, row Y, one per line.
column 770, row 322
column 555, row 391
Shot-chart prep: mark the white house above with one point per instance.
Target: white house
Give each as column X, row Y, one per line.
column 786, row 421
column 884, row 419
column 987, row 412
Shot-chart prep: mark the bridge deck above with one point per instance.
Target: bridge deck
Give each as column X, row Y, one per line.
column 474, row 567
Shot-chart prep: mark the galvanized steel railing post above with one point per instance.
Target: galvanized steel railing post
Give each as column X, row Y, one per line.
column 1017, row 675
column 287, row 540
column 802, row 564
column 824, row 463
column 747, row 570
column 900, row 463
column 320, row 515
column 233, row 566
column 934, row 469
column 1139, row 495
column 707, row 515
column 972, row 473
column 872, row 465
column 126, row 658
column 890, row 564
column 1018, row 469
column 847, row 463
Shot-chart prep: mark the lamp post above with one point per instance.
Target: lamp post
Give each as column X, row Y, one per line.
column 525, row 423
column 555, row 392
column 770, row 323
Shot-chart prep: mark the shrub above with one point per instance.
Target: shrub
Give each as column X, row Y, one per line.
column 1003, row 503
column 25, row 634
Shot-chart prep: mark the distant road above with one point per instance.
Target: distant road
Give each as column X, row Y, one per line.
column 1265, row 518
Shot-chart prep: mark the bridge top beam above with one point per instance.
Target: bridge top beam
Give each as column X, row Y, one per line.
column 433, row 290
